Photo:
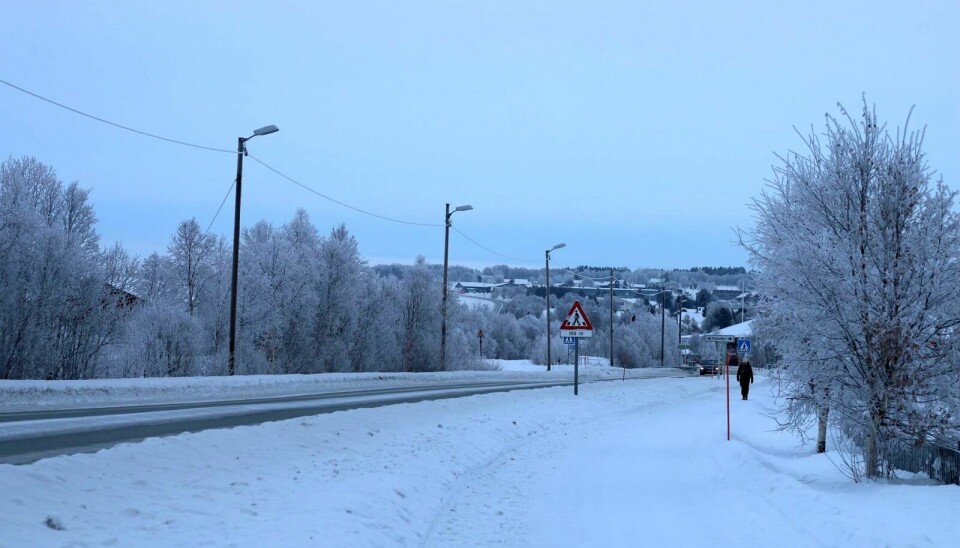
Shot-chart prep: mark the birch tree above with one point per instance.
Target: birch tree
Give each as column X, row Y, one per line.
column 340, row 276
column 857, row 249
column 303, row 243
column 191, row 252
column 54, row 316
column 419, row 320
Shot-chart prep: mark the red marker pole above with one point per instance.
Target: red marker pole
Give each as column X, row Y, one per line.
column 728, row 395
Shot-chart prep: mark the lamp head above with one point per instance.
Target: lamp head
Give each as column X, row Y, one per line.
column 464, row 208
column 558, row 246
column 266, row 130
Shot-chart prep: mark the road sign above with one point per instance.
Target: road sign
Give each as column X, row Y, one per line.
column 743, row 346
column 568, row 340
column 577, row 324
column 719, row 338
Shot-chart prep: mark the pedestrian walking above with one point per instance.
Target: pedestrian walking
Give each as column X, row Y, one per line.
column 745, row 377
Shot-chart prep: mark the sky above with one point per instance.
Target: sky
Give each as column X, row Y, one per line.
column 623, row 463
column 635, row 132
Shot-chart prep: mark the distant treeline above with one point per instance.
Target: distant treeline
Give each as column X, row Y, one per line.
column 720, row 270
column 602, row 269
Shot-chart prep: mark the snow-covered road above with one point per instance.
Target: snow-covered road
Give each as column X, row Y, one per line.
column 29, row 436
column 622, row 464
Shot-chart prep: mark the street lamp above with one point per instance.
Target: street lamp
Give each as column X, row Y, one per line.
column 241, row 152
column 558, row 246
column 663, row 303
column 680, row 319
column 443, row 307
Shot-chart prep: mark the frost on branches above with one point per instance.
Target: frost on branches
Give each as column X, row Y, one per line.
column 857, row 249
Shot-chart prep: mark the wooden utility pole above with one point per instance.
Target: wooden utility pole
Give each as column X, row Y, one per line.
column 611, row 317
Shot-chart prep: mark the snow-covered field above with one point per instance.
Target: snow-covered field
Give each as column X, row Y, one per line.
column 636, row 463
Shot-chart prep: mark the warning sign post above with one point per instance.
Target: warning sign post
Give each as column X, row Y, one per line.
column 577, row 325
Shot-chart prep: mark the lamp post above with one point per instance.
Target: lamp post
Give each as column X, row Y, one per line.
column 611, row 318
column 443, row 306
column 663, row 302
column 743, row 298
column 241, row 152
column 558, row 246
column 680, row 320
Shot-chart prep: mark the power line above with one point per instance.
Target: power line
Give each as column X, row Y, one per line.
column 600, row 279
column 481, row 246
column 114, row 124
column 338, row 202
column 227, row 195
column 264, row 164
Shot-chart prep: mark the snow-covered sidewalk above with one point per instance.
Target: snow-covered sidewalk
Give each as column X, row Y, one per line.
column 643, row 462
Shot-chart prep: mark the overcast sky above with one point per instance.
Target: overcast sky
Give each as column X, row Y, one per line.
column 635, row 132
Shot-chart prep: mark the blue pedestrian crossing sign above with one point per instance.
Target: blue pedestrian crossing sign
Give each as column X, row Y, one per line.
column 743, row 346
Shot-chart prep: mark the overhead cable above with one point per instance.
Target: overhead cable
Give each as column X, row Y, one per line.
column 114, row 124
column 264, row 164
column 227, row 195
column 481, row 246
column 600, row 279
column 338, row 202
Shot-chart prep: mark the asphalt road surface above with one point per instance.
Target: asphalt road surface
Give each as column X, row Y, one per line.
column 27, row 436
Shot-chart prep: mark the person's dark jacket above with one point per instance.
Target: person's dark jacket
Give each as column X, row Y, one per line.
column 745, row 373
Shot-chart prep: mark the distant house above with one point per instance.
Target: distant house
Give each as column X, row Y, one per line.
column 118, row 297
column 519, row 282
column 726, row 292
column 475, row 287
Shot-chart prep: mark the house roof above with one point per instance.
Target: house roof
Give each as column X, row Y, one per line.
column 744, row 329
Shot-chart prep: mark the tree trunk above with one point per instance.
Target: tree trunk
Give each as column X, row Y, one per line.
column 822, row 429
column 871, row 457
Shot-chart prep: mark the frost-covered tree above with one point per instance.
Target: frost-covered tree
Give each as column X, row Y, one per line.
column 503, row 338
column 191, row 254
column 419, row 335
column 857, row 250
column 341, row 269
column 159, row 337
column 558, row 350
column 264, row 281
column 300, row 305
column 160, row 341
column 374, row 347
column 716, row 316
column 56, row 310
column 638, row 342
column 213, row 309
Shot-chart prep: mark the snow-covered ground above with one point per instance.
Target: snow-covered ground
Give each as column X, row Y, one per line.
column 474, row 301
column 636, row 463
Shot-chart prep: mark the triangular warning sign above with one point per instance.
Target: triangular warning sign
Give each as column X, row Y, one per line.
column 577, row 319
